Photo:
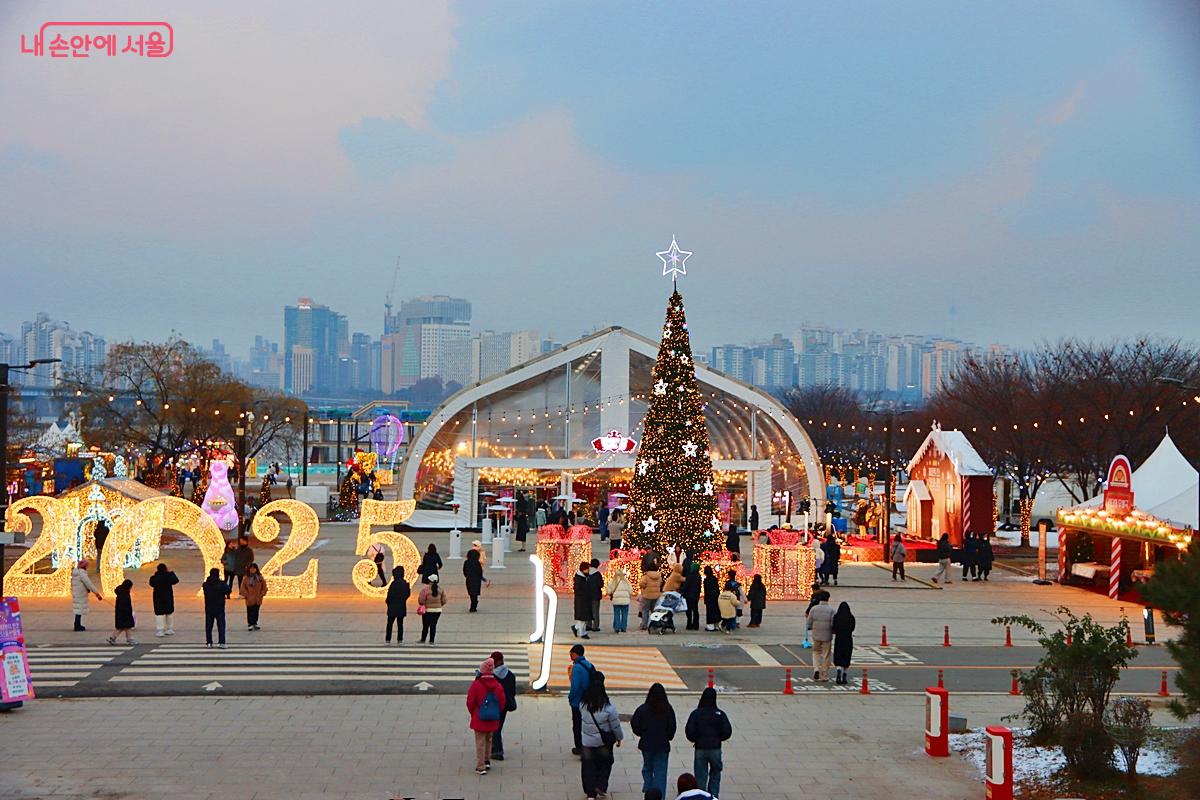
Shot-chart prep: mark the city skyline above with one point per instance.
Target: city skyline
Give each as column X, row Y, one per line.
column 886, row 166
column 431, row 336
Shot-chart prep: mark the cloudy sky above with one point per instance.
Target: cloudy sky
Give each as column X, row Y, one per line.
column 1035, row 166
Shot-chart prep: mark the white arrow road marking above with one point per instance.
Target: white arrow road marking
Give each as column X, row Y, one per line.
column 211, row 687
column 423, row 686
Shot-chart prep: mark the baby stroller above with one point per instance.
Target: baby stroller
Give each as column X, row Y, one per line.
column 662, row 618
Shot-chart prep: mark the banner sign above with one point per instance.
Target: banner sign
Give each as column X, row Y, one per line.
column 16, row 684
column 1118, row 489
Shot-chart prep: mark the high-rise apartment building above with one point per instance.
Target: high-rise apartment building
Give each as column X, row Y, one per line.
column 264, row 368
column 320, row 330
column 493, row 353
column 734, row 360
column 939, row 363
column 81, row 353
column 428, row 337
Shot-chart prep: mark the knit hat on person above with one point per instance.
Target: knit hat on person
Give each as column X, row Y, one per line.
column 487, row 667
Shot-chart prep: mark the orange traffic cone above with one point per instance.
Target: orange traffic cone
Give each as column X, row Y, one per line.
column 787, row 682
column 946, row 637
column 1162, row 688
column 883, row 639
column 1015, row 688
column 1008, row 636
column 710, row 677
column 866, row 689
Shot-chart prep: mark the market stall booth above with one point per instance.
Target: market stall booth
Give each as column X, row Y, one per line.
column 1112, row 543
column 949, row 489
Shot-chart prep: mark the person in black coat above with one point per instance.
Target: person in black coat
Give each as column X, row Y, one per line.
column 596, row 581
column 843, row 641
column 214, row 607
column 522, row 526
column 733, row 540
column 397, row 604
column 431, row 563
column 712, row 590
column 833, row 553
column 161, row 582
column 984, row 556
column 707, row 727
column 753, row 518
column 654, row 724
column 473, row 572
column 123, row 613
column 757, row 595
column 691, row 593
column 583, row 600
column 970, row 556
column 508, row 680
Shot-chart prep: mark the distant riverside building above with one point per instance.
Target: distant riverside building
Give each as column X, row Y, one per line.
column 428, row 337
column 264, row 368
column 939, row 363
column 80, row 352
column 493, row 353
column 324, row 334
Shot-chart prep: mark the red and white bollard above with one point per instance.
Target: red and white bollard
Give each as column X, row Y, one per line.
column 941, row 679
column 1163, row 691
column 1008, row 636
column 997, row 778
column 710, row 677
column 937, row 722
column 946, row 637
column 787, row 682
column 883, row 638
column 866, row 687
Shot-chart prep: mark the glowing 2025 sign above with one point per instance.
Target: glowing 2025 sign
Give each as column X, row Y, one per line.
column 146, row 521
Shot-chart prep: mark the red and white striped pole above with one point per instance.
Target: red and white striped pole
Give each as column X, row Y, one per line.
column 1114, row 569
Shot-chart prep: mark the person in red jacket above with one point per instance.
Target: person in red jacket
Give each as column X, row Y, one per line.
column 485, row 702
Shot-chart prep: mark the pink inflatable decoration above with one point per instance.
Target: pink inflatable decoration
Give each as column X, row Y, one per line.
column 219, row 502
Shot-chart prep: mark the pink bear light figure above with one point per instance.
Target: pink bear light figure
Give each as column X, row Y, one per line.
column 219, row 502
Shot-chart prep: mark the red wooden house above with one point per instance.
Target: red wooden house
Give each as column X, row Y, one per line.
column 950, row 488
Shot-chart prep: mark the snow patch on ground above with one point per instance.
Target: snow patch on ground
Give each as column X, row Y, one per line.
column 1033, row 762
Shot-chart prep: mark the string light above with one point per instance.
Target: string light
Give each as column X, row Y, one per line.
column 787, row 567
column 404, row 552
column 21, row 580
column 304, row 528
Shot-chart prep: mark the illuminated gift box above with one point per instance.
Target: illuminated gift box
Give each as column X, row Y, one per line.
column 722, row 561
column 631, row 561
column 562, row 552
column 787, row 567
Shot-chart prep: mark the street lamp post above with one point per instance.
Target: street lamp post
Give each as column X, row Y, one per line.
column 241, row 434
column 304, row 454
column 4, row 392
column 885, row 523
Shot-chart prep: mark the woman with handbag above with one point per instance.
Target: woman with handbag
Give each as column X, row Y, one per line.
column 601, row 732
column 430, row 603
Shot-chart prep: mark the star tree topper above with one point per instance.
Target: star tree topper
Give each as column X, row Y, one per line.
column 674, row 260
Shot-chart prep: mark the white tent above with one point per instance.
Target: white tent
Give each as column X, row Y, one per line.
column 54, row 440
column 1165, row 485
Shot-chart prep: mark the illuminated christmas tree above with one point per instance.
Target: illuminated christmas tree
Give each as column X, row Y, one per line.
column 671, row 495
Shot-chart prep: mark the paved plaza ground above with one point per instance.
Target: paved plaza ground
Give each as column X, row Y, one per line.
column 315, row 705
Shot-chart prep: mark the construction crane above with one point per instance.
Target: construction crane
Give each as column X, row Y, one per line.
column 387, row 303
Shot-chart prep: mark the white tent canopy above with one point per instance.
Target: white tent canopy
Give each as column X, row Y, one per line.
column 54, row 439
column 1165, row 485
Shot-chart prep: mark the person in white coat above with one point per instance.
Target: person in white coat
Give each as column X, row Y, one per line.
column 81, row 587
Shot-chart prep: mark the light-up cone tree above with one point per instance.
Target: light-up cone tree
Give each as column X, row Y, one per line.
column 671, row 495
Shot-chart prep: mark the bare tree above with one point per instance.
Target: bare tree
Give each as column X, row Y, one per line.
column 166, row 400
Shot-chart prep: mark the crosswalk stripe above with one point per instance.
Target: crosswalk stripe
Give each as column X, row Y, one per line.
column 623, row 667
column 39, row 676
column 760, row 656
column 168, row 677
column 236, row 670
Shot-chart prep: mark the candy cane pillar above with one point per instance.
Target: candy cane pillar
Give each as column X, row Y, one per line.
column 1114, row 569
